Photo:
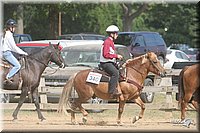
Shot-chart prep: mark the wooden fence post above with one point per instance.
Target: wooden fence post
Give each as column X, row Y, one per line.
column 42, row 92
column 167, row 83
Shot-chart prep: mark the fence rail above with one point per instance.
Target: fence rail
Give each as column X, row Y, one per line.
column 160, row 85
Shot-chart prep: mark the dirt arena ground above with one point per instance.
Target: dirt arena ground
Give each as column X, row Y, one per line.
column 154, row 120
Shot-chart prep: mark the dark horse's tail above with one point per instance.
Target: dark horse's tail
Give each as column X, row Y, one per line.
column 64, row 98
column 181, row 91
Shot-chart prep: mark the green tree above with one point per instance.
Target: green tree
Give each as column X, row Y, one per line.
column 177, row 18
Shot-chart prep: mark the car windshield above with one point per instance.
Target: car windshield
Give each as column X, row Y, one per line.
column 81, row 58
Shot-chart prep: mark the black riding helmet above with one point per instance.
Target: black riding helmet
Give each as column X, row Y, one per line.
column 11, row 23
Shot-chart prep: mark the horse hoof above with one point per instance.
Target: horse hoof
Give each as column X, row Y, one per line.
column 74, row 123
column 84, row 119
column 136, row 118
column 119, row 123
column 15, row 120
column 43, row 120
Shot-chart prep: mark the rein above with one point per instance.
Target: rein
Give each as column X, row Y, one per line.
column 41, row 61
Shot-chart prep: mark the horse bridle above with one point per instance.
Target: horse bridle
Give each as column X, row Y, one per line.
column 48, row 59
column 142, row 74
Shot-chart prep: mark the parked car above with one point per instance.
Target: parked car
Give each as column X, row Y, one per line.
column 140, row 42
column 22, row 38
column 175, row 56
column 32, row 47
column 81, row 36
column 186, row 48
column 81, row 57
column 77, row 57
column 63, row 43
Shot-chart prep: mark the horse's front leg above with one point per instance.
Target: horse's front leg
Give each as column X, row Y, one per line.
column 21, row 101
column 139, row 102
column 120, row 111
column 35, row 97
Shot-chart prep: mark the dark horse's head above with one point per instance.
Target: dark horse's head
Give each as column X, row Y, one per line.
column 56, row 56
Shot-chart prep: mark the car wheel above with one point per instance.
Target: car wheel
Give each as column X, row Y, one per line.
column 97, row 100
column 161, row 59
column 4, row 98
column 147, row 97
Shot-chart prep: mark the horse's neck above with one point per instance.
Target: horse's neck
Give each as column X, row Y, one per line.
column 40, row 60
column 137, row 72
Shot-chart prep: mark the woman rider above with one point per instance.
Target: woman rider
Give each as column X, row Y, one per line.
column 8, row 46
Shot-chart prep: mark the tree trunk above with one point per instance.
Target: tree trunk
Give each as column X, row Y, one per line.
column 129, row 15
column 53, row 17
column 20, row 27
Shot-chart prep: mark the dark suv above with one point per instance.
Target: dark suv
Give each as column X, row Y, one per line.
column 139, row 43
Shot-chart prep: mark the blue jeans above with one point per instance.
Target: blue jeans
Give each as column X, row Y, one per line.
column 12, row 60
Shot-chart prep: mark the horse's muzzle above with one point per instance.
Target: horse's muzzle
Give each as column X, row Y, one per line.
column 163, row 74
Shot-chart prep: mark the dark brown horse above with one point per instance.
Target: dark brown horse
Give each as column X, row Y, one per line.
column 137, row 70
column 189, row 87
column 30, row 75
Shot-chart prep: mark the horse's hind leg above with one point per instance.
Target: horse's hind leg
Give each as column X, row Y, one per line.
column 21, row 101
column 35, row 98
column 74, row 105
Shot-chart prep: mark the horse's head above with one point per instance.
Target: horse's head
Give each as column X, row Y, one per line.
column 56, row 56
column 154, row 64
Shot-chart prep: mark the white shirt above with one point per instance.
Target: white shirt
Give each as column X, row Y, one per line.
column 8, row 44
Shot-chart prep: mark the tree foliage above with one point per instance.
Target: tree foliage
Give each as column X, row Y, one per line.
column 41, row 20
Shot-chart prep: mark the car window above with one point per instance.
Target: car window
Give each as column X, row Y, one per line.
column 178, row 55
column 73, row 57
column 184, row 56
column 124, row 52
column 77, row 37
column 16, row 38
column 24, row 38
column 149, row 39
column 90, row 37
column 124, row 39
column 140, row 40
column 159, row 39
column 65, row 37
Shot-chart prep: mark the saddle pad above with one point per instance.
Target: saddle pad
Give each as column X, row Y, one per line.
column 94, row 77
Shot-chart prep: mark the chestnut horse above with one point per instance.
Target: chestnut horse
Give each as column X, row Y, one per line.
column 189, row 87
column 29, row 75
column 137, row 70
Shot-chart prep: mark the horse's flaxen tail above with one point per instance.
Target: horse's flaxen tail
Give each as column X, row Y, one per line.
column 181, row 91
column 64, row 98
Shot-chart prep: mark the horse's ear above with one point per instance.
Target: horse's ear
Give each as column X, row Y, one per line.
column 59, row 46
column 148, row 54
column 144, row 58
column 50, row 44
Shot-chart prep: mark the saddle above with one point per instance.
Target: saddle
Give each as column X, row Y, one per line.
column 122, row 72
column 106, row 77
column 17, row 79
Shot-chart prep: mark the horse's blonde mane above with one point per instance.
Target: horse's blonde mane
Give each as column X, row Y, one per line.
column 134, row 61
